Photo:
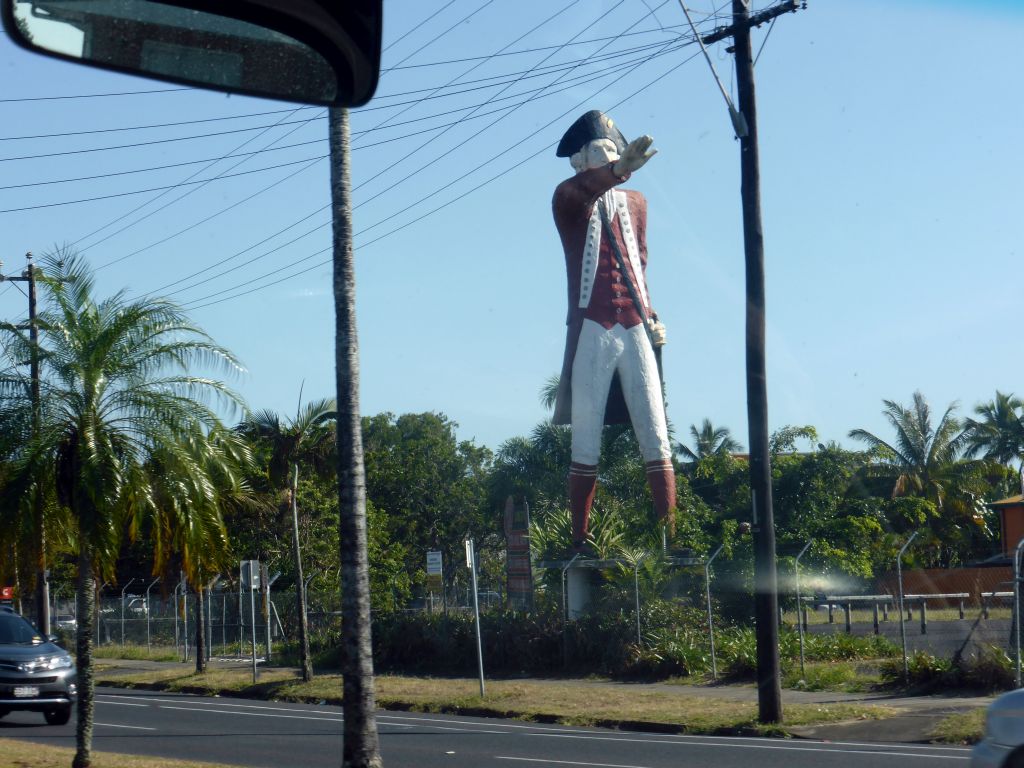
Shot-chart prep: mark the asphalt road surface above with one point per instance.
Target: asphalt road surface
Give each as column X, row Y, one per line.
column 277, row 735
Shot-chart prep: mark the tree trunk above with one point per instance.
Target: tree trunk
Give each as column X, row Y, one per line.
column 300, row 586
column 86, row 608
column 200, row 631
column 361, row 747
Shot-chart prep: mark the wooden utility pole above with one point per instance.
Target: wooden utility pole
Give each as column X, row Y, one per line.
column 42, row 575
column 766, row 596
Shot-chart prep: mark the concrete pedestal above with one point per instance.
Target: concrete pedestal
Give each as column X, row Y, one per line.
column 579, row 585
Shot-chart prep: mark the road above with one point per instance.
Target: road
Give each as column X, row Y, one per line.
column 279, row 735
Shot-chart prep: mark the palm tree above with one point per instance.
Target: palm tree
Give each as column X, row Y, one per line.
column 308, row 438
column 193, row 481
column 999, row 434
column 708, row 441
column 117, row 398
column 922, row 456
column 361, row 744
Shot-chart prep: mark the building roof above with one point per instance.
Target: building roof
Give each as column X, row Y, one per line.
column 1013, row 501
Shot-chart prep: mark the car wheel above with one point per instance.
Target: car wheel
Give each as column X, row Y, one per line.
column 58, row 716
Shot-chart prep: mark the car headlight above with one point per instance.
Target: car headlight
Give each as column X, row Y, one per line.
column 62, row 661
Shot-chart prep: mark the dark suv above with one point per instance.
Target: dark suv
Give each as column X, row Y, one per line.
column 35, row 673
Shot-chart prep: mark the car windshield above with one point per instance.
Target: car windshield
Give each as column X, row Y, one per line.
column 14, row 630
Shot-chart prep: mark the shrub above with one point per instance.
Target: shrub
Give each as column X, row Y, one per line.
column 924, row 671
column 990, row 669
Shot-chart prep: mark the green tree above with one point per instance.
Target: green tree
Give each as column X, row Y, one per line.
column 924, row 461
column 431, row 486
column 999, row 433
column 192, row 483
column 709, row 440
column 307, row 439
column 118, row 401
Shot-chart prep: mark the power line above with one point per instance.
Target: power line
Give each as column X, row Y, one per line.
column 282, row 231
column 192, row 305
column 152, row 142
column 144, row 127
column 379, row 125
column 160, row 189
column 138, row 208
column 403, row 210
column 533, row 95
column 458, row 23
column 493, row 123
column 414, row 27
column 513, row 76
column 437, row 37
column 93, row 95
column 522, row 51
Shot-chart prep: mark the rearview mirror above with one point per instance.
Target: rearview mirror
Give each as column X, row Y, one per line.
column 312, row 51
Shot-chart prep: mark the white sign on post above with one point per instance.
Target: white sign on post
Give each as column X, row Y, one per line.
column 250, row 573
column 434, row 563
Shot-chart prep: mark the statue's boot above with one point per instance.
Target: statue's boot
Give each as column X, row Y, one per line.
column 661, row 478
column 582, row 484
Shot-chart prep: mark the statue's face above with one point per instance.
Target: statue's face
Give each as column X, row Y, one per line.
column 599, row 152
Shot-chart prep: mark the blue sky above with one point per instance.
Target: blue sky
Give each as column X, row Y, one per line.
column 890, row 183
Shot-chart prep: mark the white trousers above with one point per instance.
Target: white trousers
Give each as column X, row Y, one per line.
column 600, row 354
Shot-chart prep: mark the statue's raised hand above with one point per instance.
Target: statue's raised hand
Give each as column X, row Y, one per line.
column 633, row 157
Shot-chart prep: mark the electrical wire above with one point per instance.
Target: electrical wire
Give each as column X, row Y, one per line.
column 131, row 224
column 765, row 41
column 92, row 95
column 161, row 289
column 379, row 125
column 138, row 208
column 386, row 219
column 194, row 304
column 414, row 27
column 144, row 127
column 159, row 189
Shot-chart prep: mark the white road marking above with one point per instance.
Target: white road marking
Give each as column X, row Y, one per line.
column 133, row 727
column 120, row 703
column 257, row 714
column 738, row 744
column 205, row 703
column 566, row 762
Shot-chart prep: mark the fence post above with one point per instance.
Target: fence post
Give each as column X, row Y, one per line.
column 924, row 616
column 711, row 623
column 961, row 608
column 831, row 616
column 885, row 611
column 874, row 615
column 903, row 626
column 984, row 606
column 847, row 611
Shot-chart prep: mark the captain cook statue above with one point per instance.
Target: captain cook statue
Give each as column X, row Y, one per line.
column 609, row 371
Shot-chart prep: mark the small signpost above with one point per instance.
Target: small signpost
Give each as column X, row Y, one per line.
column 435, row 574
column 471, row 564
column 250, row 578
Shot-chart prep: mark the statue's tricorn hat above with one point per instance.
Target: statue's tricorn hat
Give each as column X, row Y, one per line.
column 590, row 126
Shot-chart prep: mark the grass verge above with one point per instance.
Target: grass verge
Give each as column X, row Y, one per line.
column 564, row 702
column 25, row 754
column 134, row 652
column 961, row 728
